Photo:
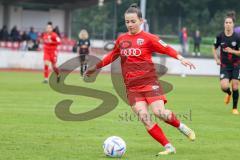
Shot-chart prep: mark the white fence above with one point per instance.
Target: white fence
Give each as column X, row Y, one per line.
column 34, row 60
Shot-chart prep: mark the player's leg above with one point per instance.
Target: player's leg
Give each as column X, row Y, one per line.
column 225, row 76
column 46, row 61
column 46, row 71
column 235, row 95
column 169, row 117
column 82, row 59
column 85, row 63
column 235, row 92
column 225, row 86
column 54, row 66
column 140, row 109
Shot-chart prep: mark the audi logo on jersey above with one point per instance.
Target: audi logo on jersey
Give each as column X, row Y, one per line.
column 131, row 52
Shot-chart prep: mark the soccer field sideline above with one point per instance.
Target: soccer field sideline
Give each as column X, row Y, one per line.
column 30, row 129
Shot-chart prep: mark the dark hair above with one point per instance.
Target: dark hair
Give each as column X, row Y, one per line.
column 232, row 15
column 49, row 23
column 134, row 9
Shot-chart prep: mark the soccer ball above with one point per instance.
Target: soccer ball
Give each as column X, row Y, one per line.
column 114, row 147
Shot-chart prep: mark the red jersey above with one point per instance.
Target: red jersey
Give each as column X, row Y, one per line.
column 50, row 41
column 137, row 66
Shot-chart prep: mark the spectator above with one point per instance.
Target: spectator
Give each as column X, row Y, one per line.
column 197, row 41
column 32, row 34
column 4, row 35
column 15, row 35
column 24, row 38
column 183, row 36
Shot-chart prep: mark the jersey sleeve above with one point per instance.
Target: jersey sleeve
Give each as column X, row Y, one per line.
column 238, row 42
column 55, row 39
column 217, row 42
column 110, row 57
column 163, row 48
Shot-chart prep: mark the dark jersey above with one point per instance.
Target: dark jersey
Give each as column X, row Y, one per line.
column 81, row 43
column 228, row 60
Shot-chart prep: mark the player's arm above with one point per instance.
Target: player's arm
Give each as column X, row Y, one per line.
column 55, row 39
column 161, row 47
column 232, row 51
column 109, row 58
column 214, row 50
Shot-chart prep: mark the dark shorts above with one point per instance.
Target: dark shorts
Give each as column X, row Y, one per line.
column 230, row 73
column 147, row 96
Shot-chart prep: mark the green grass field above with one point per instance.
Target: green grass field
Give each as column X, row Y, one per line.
column 30, row 130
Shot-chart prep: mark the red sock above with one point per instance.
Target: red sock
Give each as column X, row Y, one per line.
column 173, row 121
column 46, row 71
column 157, row 133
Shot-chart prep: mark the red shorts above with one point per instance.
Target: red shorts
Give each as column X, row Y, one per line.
column 147, row 96
column 50, row 56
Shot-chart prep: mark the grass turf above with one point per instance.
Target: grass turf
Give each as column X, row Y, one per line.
column 30, row 130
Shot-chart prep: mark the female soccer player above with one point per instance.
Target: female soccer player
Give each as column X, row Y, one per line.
column 135, row 49
column 83, row 49
column 50, row 43
column 229, row 61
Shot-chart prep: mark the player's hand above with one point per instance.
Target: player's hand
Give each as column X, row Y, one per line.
column 228, row 49
column 90, row 70
column 218, row 62
column 187, row 63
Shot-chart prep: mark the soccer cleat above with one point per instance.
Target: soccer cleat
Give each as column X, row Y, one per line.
column 187, row 132
column 168, row 150
column 235, row 112
column 227, row 99
column 45, row 81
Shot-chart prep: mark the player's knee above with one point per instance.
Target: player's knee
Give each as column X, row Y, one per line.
column 145, row 119
column 224, row 87
column 163, row 114
column 235, row 87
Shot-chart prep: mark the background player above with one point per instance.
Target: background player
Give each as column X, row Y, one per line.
column 50, row 43
column 135, row 49
column 229, row 62
column 83, row 49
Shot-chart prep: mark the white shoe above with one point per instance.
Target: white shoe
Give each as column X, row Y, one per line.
column 187, row 131
column 168, row 150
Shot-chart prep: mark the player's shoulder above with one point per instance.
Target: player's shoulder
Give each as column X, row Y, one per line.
column 150, row 35
column 122, row 35
column 221, row 34
column 54, row 34
column 236, row 36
